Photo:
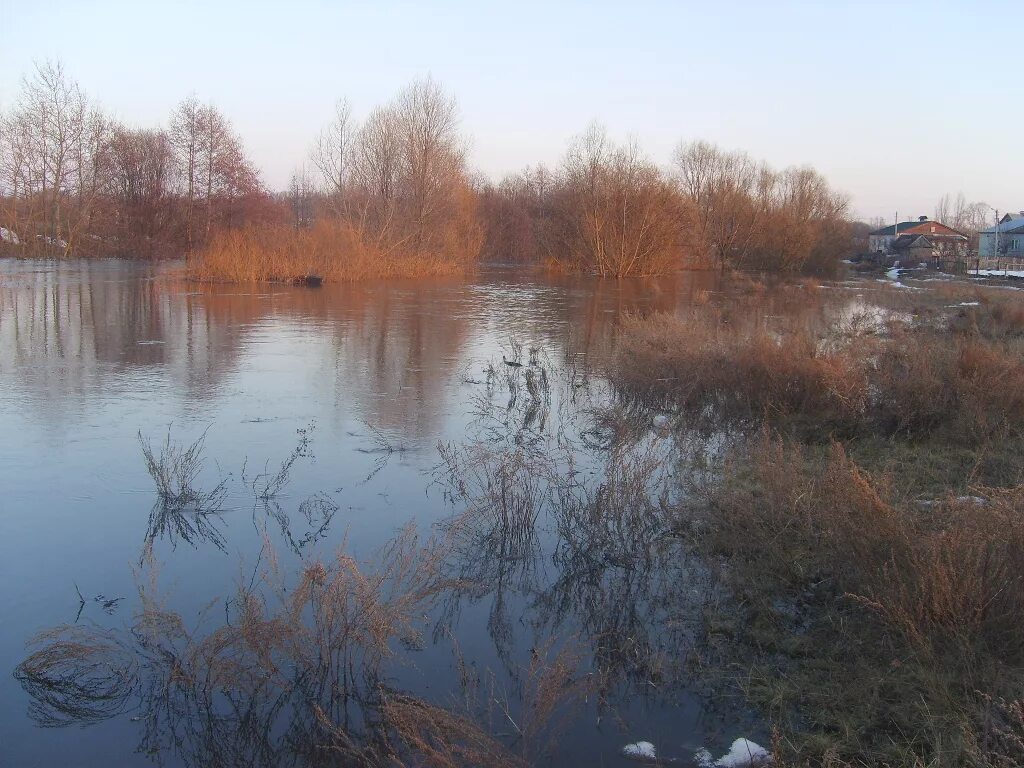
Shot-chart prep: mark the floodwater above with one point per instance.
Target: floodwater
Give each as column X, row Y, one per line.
column 354, row 387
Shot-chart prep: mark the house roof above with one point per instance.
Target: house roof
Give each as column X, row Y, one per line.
column 930, row 227
column 893, row 229
column 1011, row 222
column 904, row 242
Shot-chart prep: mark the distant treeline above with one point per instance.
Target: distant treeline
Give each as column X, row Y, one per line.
column 393, row 190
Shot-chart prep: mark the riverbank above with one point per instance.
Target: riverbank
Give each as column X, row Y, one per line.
column 866, row 515
column 330, row 252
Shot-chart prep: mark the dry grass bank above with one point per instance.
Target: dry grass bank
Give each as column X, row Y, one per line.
column 875, row 628
column 868, row 518
column 962, row 380
column 336, row 252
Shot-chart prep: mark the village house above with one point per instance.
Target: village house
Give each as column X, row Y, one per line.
column 1004, row 239
column 916, row 242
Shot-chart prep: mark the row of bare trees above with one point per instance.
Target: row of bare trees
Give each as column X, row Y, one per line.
column 395, row 185
column 74, row 180
column 398, row 181
column 609, row 210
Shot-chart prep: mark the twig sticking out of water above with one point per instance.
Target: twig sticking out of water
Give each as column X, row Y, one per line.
column 274, row 484
column 384, row 446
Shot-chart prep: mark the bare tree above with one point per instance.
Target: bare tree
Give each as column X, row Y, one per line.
column 143, row 167
column 333, row 155
column 56, row 131
column 615, row 214
column 185, row 132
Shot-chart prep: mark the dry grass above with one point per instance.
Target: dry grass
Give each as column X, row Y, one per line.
column 551, row 692
column 911, row 382
column 913, row 607
column 175, row 469
column 333, row 251
column 440, row 738
column 709, row 363
column 77, row 675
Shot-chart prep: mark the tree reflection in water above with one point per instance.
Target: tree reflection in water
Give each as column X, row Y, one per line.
column 569, row 531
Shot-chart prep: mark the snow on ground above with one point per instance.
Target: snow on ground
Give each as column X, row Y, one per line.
column 640, row 750
column 8, row 236
column 894, row 275
column 742, row 754
column 998, row 273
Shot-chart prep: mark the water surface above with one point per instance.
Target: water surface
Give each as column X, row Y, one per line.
column 361, row 383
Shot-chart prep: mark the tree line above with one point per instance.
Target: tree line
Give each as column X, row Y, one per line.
column 74, row 180
column 395, row 186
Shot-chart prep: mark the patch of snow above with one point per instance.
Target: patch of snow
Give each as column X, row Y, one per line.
column 998, row 273
column 976, row 500
column 8, row 236
column 742, row 754
column 893, row 274
column 660, row 421
column 53, row 241
column 640, row 750
column 966, row 304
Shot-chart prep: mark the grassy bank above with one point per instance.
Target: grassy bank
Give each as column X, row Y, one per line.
column 867, row 515
column 335, row 252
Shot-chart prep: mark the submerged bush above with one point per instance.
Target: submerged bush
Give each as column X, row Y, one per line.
column 333, row 251
column 911, row 383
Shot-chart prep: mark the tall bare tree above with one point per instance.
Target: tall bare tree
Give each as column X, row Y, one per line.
column 333, row 155
column 185, row 133
column 143, row 162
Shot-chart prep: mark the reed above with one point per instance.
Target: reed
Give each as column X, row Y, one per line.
column 910, row 381
column 334, row 251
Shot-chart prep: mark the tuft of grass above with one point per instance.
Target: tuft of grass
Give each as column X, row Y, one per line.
column 175, row 469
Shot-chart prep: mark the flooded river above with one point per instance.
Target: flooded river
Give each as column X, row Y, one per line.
column 333, row 418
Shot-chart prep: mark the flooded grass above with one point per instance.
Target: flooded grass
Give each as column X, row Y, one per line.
column 175, row 470
column 298, row 671
column 330, row 251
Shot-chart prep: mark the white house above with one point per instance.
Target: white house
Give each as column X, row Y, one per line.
column 1004, row 239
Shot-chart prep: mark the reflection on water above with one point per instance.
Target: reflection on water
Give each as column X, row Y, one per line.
column 323, row 411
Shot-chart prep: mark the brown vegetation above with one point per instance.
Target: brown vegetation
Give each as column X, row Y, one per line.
column 613, row 213
column 913, row 381
column 749, row 216
column 909, row 609
column 330, row 250
column 296, row 673
column 608, row 210
column 397, row 189
column 867, row 516
column 396, row 201
column 75, row 182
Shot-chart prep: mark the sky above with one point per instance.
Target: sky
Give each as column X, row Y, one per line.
column 896, row 103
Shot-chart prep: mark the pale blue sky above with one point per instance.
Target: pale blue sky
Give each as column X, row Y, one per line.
column 896, row 103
